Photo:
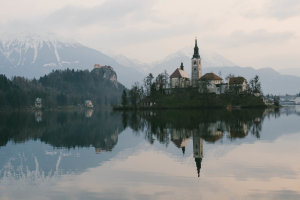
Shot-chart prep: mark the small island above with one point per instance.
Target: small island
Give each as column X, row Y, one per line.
column 179, row 91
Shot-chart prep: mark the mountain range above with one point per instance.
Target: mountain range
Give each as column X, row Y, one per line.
column 272, row 81
column 34, row 56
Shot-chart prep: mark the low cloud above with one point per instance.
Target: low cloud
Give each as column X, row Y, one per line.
column 242, row 38
column 239, row 38
column 279, row 9
column 110, row 13
column 283, row 9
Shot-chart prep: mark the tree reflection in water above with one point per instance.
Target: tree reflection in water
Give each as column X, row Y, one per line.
column 101, row 129
column 62, row 129
column 180, row 126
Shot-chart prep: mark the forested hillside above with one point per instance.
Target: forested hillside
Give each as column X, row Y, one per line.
column 62, row 87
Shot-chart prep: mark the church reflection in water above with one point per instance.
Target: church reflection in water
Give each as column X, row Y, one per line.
column 180, row 127
column 101, row 130
column 181, row 138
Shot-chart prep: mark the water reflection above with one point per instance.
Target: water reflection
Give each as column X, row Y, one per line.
column 38, row 116
column 211, row 126
column 62, row 129
column 89, row 113
column 101, row 129
column 25, row 156
column 156, row 155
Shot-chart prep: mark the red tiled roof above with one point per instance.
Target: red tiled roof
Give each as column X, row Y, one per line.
column 236, row 80
column 210, row 76
column 178, row 73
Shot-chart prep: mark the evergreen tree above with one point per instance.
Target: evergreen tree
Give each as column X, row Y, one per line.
column 148, row 84
column 255, row 85
column 136, row 93
column 124, row 98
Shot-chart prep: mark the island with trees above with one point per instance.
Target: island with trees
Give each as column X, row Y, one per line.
column 156, row 93
column 197, row 91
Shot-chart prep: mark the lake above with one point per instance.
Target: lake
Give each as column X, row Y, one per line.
column 180, row 154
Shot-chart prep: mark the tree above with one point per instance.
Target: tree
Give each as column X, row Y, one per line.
column 255, row 85
column 220, row 73
column 136, row 93
column 148, row 84
column 235, row 89
column 276, row 101
column 124, row 98
column 61, row 99
column 229, row 76
column 162, row 81
column 203, row 86
column 166, row 78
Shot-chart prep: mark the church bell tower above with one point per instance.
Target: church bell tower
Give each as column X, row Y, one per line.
column 198, row 151
column 196, row 72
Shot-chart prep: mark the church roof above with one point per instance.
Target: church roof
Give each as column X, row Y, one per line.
column 236, row 80
column 182, row 142
column 210, row 77
column 178, row 73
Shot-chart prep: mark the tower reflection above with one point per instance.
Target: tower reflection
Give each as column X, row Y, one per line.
column 180, row 127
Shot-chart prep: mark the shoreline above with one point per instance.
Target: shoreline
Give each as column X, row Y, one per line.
column 121, row 108
column 55, row 109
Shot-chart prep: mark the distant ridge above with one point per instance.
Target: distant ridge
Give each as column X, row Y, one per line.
column 273, row 82
column 34, row 56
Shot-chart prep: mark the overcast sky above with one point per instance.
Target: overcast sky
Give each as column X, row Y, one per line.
column 258, row 33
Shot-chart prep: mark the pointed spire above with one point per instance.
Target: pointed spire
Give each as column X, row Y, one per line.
column 181, row 66
column 196, row 50
column 198, row 165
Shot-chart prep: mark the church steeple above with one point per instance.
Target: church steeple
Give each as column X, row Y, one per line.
column 196, row 66
column 196, row 50
column 198, row 165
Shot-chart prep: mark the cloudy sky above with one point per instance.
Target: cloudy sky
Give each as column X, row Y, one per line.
column 258, row 33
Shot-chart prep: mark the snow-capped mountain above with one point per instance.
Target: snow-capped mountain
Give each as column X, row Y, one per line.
column 34, row 56
column 31, row 55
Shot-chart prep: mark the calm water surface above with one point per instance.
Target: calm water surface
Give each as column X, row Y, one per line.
column 210, row 154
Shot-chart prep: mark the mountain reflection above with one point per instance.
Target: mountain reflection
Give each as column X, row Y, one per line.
column 62, row 129
column 88, row 128
column 209, row 125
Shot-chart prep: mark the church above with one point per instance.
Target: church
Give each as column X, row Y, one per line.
column 209, row 82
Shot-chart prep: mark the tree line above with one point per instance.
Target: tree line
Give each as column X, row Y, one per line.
column 152, row 87
column 60, row 88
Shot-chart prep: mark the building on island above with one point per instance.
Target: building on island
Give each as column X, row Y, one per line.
column 209, row 82
column 96, row 66
column 88, row 104
column 179, row 79
column 238, row 84
column 38, row 103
